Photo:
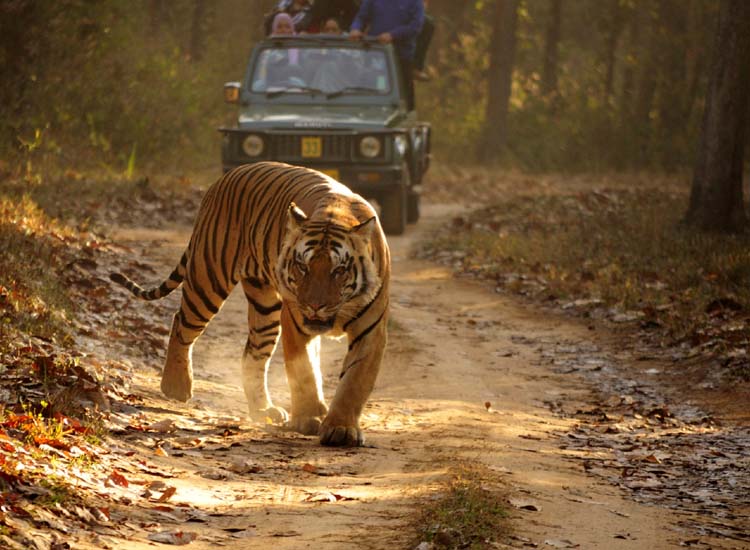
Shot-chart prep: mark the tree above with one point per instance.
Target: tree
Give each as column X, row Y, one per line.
column 551, row 46
column 632, row 49
column 502, row 55
column 716, row 198
column 198, row 31
column 615, row 25
column 649, row 71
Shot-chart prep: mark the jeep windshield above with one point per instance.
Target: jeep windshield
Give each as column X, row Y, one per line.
column 331, row 72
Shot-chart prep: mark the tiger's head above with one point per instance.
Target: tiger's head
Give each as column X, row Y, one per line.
column 325, row 266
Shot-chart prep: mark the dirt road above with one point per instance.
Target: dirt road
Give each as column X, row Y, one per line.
column 464, row 380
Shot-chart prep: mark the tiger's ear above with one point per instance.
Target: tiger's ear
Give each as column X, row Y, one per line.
column 296, row 216
column 366, row 228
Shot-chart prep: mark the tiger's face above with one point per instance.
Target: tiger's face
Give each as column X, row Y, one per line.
column 323, row 267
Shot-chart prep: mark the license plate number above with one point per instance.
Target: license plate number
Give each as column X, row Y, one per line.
column 312, row 147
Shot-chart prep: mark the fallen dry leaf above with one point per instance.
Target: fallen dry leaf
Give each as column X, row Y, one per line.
column 523, row 504
column 167, row 494
column 118, row 479
column 244, row 466
column 310, row 468
column 162, row 426
column 159, row 451
column 177, row 538
column 561, row 543
column 326, row 496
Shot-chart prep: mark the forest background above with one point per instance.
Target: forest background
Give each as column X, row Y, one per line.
column 134, row 86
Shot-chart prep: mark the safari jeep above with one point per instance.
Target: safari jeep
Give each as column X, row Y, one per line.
column 337, row 106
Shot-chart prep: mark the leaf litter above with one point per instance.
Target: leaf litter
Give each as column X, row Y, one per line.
column 668, row 453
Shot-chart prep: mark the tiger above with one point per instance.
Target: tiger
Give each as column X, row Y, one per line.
column 312, row 259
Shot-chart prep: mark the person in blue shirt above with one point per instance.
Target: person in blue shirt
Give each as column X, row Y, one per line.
column 396, row 22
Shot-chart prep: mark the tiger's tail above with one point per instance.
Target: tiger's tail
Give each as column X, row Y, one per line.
column 164, row 289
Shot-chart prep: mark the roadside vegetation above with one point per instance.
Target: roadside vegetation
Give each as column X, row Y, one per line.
column 56, row 389
column 609, row 248
column 98, row 97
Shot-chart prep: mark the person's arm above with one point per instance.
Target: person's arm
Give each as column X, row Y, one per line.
column 363, row 17
column 302, row 20
column 411, row 27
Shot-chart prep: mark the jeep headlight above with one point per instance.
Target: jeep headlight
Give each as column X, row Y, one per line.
column 399, row 143
column 369, row 147
column 253, row 145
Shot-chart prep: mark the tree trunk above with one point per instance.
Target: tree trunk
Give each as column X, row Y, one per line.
column 615, row 26
column 673, row 88
column 502, row 54
column 716, row 198
column 551, row 46
column 628, row 91
column 198, row 30
column 647, row 85
column 156, row 11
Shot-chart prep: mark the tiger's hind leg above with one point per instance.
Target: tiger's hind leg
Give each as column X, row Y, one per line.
column 302, row 362
column 263, row 319
column 198, row 307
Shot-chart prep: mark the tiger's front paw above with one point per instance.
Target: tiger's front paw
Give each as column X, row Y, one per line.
column 341, row 436
column 276, row 415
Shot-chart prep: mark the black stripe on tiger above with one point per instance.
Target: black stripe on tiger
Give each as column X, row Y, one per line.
column 164, row 289
column 264, row 310
column 366, row 331
column 266, row 328
column 261, row 345
column 364, row 310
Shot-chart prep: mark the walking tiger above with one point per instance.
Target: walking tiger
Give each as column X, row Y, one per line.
column 312, row 259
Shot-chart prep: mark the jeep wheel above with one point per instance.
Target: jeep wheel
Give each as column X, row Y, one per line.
column 412, row 210
column 393, row 214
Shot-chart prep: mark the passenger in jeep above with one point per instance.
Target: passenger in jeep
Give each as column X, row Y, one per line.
column 332, row 26
column 322, row 10
column 396, row 22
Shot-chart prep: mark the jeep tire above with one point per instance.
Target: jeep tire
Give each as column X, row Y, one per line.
column 393, row 210
column 412, row 209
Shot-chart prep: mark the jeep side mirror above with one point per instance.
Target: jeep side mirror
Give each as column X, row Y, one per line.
column 232, row 92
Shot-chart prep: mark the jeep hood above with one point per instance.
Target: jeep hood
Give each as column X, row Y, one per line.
column 325, row 117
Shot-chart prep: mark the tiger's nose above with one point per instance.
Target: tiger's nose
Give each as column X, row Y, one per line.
column 316, row 310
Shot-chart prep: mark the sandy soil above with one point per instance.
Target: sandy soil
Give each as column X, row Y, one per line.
column 454, row 347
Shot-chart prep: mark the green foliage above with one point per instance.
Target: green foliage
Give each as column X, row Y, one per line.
column 92, row 83
column 452, row 96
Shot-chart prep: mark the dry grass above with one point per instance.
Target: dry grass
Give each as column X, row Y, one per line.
column 469, row 513
column 612, row 250
column 32, row 297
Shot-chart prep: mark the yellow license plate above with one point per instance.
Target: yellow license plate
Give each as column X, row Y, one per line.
column 332, row 172
column 312, row 147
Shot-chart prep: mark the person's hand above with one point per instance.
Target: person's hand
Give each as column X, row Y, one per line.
column 355, row 34
column 385, row 38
